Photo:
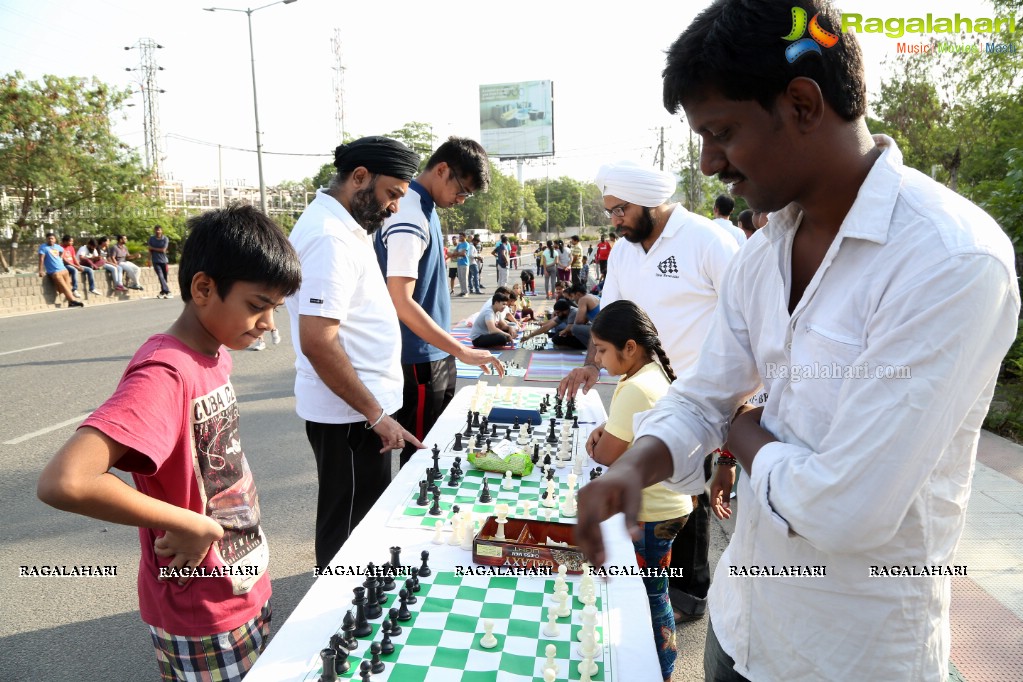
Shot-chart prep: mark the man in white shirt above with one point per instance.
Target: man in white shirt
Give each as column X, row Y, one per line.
column 723, row 206
column 671, row 264
column 876, row 307
column 347, row 344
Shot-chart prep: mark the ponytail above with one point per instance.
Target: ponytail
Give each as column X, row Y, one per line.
column 622, row 320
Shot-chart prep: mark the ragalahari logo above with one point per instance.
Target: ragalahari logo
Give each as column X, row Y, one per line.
column 802, row 46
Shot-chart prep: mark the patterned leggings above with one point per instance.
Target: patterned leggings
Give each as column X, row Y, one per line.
column 653, row 550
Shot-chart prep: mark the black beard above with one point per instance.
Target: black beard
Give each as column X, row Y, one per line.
column 643, row 229
column 366, row 211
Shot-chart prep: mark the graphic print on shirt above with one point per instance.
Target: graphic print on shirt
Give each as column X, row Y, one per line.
column 668, row 267
column 228, row 491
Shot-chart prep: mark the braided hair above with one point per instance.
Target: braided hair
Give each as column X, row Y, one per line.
column 622, row 320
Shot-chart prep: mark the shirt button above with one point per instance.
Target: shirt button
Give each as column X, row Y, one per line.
column 788, row 346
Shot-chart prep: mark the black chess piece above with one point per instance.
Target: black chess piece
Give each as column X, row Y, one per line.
column 508, row 433
column 348, row 629
column 436, row 462
column 488, row 445
column 425, row 569
column 422, row 500
column 386, row 646
column 362, row 626
column 434, row 489
column 376, row 664
column 388, row 576
column 403, row 613
column 550, row 474
column 435, row 509
column 337, row 643
column 454, row 480
column 429, row 477
column 458, row 465
column 416, row 587
column 536, row 453
column 515, row 424
column 457, row 447
column 370, row 582
column 575, row 422
column 475, row 420
column 393, row 620
column 468, row 430
column 396, row 558
column 327, row 657
column 485, row 426
column 381, row 591
column 364, row 671
column 410, row 590
column 599, row 470
column 372, row 609
column 547, row 460
column 485, row 492
column 593, row 474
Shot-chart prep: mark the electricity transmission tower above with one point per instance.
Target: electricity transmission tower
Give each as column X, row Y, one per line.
column 147, row 69
column 339, row 86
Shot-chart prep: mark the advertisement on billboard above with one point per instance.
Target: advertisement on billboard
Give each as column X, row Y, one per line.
column 517, row 119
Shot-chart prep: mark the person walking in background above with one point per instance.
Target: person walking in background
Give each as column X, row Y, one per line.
column 158, row 247
column 600, row 257
column 503, row 256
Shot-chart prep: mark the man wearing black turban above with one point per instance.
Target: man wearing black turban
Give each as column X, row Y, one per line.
column 348, row 345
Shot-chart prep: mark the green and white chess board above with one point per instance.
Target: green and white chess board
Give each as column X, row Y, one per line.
column 442, row 641
column 410, row 515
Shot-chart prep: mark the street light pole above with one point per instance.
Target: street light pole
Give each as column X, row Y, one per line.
column 255, row 99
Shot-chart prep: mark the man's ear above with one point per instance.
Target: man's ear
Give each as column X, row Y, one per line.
column 361, row 177
column 203, row 289
column 804, row 102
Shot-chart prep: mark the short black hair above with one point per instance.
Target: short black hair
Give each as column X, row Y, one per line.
column 467, row 158
column 724, row 204
column 238, row 244
column 735, row 47
column 746, row 221
column 500, row 297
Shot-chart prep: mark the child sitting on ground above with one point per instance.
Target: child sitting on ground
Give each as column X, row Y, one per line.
column 172, row 423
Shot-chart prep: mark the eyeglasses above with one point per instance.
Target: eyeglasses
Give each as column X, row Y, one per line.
column 618, row 210
column 464, row 194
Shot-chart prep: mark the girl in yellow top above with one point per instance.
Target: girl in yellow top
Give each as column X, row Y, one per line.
column 627, row 345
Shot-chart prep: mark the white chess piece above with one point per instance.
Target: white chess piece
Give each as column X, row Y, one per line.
column 560, row 584
column 572, row 479
column 588, row 646
column 502, row 518
column 456, row 531
column 551, row 629
column 587, row 667
column 469, row 531
column 549, row 675
column 547, row 514
column 507, row 483
column 550, row 663
column 552, row 495
column 488, row 641
column 527, row 506
column 564, row 610
column 568, row 508
column 437, row 539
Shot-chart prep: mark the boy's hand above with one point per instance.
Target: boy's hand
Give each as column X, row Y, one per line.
column 189, row 548
column 721, row 491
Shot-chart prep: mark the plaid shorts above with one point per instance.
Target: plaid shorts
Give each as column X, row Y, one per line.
column 213, row 658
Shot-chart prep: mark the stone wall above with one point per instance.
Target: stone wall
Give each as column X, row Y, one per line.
column 23, row 293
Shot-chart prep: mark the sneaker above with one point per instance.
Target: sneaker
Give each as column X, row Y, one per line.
column 136, row 287
column 94, row 292
column 258, row 345
column 168, row 295
column 161, row 295
column 76, row 294
column 75, row 304
column 275, row 336
column 120, row 287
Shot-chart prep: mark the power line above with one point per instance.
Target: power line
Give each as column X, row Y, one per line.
column 206, row 143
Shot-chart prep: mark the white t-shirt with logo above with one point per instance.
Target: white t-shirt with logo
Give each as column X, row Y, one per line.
column 676, row 282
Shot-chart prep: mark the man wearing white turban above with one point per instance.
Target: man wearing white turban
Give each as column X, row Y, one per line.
column 671, row 265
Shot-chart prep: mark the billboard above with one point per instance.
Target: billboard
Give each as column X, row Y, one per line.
column 517, row 119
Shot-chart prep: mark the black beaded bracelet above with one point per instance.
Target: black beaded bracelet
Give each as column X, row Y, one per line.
column 726, row 461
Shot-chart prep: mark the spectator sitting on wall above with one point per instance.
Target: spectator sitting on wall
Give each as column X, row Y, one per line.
column 67, row 243
column 122, row 257
column 51, row 264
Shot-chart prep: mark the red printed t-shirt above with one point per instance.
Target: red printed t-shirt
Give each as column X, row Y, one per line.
column 176, row 411
column 603, row 250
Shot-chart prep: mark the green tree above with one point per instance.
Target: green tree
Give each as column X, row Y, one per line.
column 58, row 153
column 416, row 136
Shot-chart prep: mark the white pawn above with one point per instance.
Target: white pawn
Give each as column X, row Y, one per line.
column 527, row 506
column 588, row 646
column 550, row 663
column 551, row 629
column 564, row 609
column 469, row 530
column 568, row 508
column 437, row 539
column 456, row 532
column 549, row 675
column 587, row 667
column 507, row 483
column 547, row 514
column 488, row 641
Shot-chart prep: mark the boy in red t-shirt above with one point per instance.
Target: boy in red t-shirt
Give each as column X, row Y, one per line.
column 173, row 424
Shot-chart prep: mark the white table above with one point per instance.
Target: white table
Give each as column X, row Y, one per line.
column 320, row 612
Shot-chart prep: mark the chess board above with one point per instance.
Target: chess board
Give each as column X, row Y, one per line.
column 410, row 515
column 442, row 641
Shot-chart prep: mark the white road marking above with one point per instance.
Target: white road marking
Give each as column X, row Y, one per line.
column 22, row 350
column 28, row 436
